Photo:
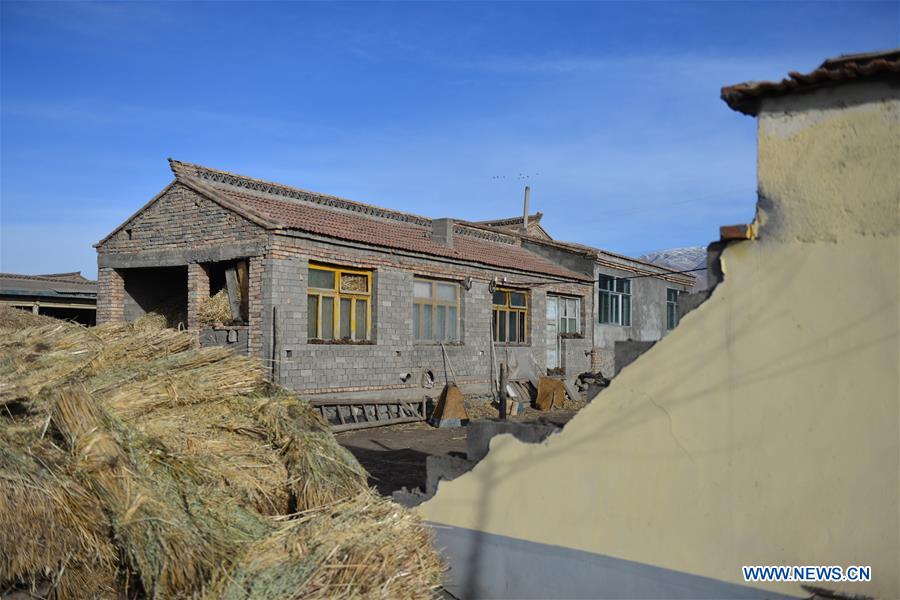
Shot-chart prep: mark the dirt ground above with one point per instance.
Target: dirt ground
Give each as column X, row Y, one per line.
column 395, row 455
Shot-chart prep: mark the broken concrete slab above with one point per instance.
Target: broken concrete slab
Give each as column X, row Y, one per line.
column 482, row 431
column 444, row 468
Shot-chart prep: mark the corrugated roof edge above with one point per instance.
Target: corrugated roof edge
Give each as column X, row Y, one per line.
column 747, row 97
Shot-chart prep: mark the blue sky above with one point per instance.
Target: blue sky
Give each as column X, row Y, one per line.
column 612, row 109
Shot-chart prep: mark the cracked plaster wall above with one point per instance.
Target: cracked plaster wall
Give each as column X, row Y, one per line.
column 764, row 429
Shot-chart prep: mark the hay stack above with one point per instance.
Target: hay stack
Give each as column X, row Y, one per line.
column 363, row 547
column 133, row 464
column 216, row 309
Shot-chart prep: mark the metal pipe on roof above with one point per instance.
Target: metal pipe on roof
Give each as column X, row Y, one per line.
column 525, row 216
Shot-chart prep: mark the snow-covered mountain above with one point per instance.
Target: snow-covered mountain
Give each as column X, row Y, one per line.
column 682, row 259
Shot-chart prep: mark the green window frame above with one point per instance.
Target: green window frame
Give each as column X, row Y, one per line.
column 672, row 316
column 509, row 322
column 338, row 304
column 435, row 310
column 614, row 306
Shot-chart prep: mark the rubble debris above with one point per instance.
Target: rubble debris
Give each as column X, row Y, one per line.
column 591, row 384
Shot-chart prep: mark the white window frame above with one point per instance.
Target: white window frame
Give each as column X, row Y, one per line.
column 568, row 309
column 421, row 304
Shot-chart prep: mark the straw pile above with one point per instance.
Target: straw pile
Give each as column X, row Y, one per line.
column 215, row 309
column 133, row 464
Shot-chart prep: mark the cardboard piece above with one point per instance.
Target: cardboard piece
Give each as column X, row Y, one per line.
column 551, row 394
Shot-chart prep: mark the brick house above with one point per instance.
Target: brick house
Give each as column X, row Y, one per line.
column 341, row 297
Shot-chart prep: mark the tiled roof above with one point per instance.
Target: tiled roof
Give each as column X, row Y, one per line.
column 746, row 97
column 510, row 221
column 320, row 214
column 514, row 224
column 620, row 261
column 62, row 284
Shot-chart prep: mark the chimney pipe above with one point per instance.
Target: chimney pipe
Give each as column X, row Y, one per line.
column 525, row 217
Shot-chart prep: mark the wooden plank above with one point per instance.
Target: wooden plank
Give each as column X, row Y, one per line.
column 370, row 424
column 234, row 292
column 243, row 276
column 346, row 402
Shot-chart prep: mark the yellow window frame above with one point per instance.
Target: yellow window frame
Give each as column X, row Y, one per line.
column 505, row 309
column 337, row 294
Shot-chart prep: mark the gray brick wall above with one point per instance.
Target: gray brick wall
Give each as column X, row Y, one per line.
column 315, row 368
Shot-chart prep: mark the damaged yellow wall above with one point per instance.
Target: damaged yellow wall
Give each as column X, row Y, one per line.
column 764, row 429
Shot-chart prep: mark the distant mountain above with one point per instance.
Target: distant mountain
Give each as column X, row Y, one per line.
column 682, row 259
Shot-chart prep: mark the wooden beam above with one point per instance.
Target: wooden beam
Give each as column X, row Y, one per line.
column 234, row 292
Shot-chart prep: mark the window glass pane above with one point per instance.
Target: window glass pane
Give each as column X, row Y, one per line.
column 522, row 327
column 516, row 299
column 552, row 309
column 502, row 320
column 312, row 316
column 573, row 325
column 604, row 307
column 606, row 282
column 446, row 291
column 321, row 279
column 327, row 318
column 440, row 323
column 494, row 326
column 361, row 314
column 614, row 308
column 422, row 289
column 345, row 318
column 451, row 324
column 563, row 325
column 417, row 311
column 426, row 322
column 626, row 310
column 500, row 298
column 513, row 327
column 353, row 283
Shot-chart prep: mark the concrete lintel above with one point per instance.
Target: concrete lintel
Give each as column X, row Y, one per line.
column 175, row 258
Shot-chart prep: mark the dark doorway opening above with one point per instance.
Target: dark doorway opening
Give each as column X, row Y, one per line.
column 85, row 316
column 160, row 290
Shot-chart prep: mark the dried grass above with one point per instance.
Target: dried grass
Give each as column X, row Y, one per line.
column 362, row 547
column 216, row 309
column 16, row 317
column 133, row 464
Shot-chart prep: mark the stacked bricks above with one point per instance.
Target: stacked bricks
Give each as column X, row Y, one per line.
column 110, row 296
column 255, row 306
column 198, row 291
